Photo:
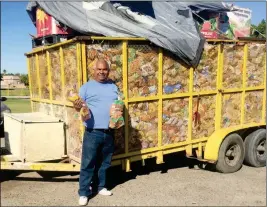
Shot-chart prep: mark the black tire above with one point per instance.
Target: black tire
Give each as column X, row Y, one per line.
column 255, row 148
column 231, row 154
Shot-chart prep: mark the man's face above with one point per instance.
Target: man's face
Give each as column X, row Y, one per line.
column 101, row 72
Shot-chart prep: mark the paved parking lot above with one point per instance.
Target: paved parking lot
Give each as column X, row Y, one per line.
column 172, row 183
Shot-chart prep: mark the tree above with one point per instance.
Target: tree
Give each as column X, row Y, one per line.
column 262, row 27
column 24, row 79
column 4, row 71
column 259, row 30
column 1, row 76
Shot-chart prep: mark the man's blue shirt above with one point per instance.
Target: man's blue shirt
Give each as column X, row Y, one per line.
column 99, row 98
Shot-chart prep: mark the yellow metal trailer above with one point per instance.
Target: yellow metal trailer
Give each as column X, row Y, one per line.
column 216, row 112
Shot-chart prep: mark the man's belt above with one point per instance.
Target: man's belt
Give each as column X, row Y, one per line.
column 102, row 130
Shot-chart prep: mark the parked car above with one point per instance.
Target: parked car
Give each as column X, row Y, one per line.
column 4, row 109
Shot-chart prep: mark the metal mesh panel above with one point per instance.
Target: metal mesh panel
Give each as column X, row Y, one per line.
column 253, row 106
column 119, row 141
column 112, row 53
column 59, row 112
column 35, row 106
column 45, row 108
column 175, row 121
column 56, row 75
column 231, row 109
column 44, row 80
column 70, row 68
column 256, row 64
column 175, row 76
column 142, row 70
column 206, row 73
column 203, row 117
column 74, row 134
column 233, row 66
column 34, row 78
column 143, row 125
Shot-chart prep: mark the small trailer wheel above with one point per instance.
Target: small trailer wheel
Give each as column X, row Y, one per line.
column 255, row 148
column 231, row 154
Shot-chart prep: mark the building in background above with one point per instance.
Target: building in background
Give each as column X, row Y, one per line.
column 11, row 81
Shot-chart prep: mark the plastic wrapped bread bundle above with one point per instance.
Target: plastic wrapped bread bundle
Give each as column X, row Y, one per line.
column 233, row 66
column 231, row 109
column 175, row 76
column 56, row 75
column 206, row 72
column 142, row 70
column 116, row 111
column 253, row 106
column 70, row 66
column 72, row 96
column 203, row 116
column 256, row 64
column 34, row 78
column 112, row 53
column 119, row 141
column 44, row 82
column 143, row 125
column 74, row 133
column 175, row 121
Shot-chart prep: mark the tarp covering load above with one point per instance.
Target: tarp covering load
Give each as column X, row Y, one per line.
column 169, row 25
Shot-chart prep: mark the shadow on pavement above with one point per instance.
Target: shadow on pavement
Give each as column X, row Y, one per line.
column 115, row 174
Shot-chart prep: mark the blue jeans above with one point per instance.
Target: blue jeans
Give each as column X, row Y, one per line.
column 96, row 144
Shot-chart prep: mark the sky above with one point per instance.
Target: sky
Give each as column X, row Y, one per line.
column 16, row 26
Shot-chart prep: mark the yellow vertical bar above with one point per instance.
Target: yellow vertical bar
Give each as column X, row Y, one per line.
column 264, row 94
column 84, row 68
column 79, row 72
column 38, row 74
column 128, row 165
column 190, row 112
column 219, row 84
column 125, row 91
column 199, row 151
column 62, row 71
column 49, row 75
column 160, row 76
column 244, row 81
column 78, row 55
column 30, row 80
column 160, row 105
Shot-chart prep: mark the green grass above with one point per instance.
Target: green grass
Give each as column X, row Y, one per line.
column 19, row 105
column 15, row 92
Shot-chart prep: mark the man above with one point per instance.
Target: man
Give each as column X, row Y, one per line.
column 99, row 94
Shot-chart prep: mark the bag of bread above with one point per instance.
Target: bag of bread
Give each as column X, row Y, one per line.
column 116, row 114
column 72, row 96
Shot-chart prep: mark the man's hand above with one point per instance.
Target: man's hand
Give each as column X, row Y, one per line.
column 78, row 104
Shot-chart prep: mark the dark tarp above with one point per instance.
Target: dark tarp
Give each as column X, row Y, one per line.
column 169, row 25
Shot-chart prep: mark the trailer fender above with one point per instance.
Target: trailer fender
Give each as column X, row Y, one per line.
column 215, row 140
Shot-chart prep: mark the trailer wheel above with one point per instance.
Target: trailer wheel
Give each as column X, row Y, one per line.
column 255, row 145
column 231, row 154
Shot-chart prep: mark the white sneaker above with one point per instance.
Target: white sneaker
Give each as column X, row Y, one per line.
column 83, row 200
column 105, row 192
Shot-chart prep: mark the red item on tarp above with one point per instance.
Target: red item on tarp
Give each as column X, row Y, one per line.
column 47, row 25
